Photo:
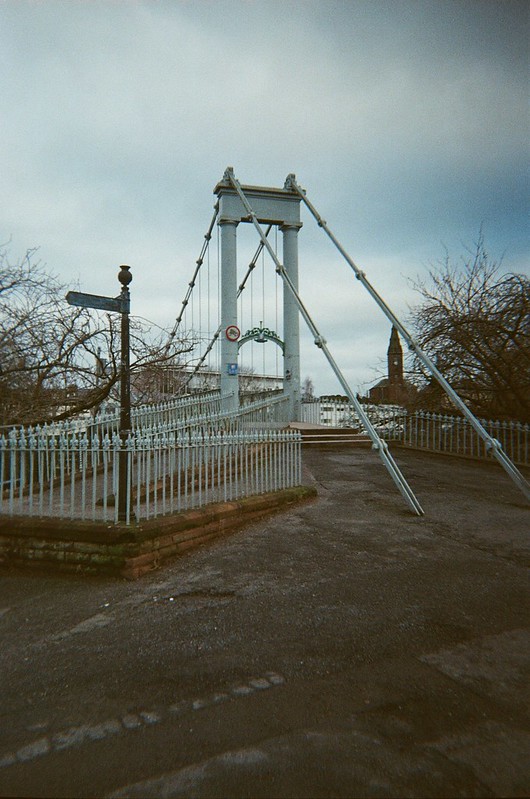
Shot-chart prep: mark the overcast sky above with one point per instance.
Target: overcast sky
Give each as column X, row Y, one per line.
column 406, row 122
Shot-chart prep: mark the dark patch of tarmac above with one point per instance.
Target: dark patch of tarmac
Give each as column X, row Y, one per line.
column 345, row 648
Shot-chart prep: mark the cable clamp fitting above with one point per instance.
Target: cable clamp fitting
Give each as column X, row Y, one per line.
column 493, row 444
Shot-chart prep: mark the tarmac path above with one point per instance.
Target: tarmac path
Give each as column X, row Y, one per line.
column 345, row 648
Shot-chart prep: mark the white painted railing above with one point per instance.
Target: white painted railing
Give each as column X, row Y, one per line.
column 433, row 432
column 182, row 413
column 76, row 477
column 453, row 434
column 175, row 411
column 339, row 412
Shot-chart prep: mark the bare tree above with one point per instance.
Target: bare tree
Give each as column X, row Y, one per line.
column 51, row 362
column 474, row 322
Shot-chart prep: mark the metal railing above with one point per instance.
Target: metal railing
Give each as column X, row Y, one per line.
column 339, row 412
column 77, row 478
column 453, row 434
column 180, row 414
column 433, row 432
column 107, row 422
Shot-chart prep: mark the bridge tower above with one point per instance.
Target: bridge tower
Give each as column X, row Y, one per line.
column 272, row 206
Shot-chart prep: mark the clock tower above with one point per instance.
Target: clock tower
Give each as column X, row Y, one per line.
column 395, row 360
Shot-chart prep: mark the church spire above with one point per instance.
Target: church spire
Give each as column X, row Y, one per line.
column 395, row 359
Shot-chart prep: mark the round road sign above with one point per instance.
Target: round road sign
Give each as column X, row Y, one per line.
column 232, row 332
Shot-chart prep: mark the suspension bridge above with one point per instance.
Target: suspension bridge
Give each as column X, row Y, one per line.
column 268, row 209
column 193, row 450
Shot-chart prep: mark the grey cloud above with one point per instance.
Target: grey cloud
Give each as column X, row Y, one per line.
column 406, row 121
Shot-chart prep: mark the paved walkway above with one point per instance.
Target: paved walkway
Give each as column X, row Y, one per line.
column 346, row 648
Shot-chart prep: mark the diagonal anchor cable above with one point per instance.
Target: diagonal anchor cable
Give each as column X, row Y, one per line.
column 377, row 443
column 492, row 444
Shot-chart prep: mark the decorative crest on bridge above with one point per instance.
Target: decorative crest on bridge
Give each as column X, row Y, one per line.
column 261, row 335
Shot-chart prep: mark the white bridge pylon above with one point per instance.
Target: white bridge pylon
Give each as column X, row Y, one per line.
column 279, row 207
column 259, row 205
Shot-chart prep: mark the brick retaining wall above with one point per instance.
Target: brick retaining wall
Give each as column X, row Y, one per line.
column 97, row 548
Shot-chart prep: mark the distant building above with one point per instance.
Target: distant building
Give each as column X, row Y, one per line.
column 335, row 410
column 393, row 389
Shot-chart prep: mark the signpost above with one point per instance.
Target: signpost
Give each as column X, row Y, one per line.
column 95, row 301
column 120, row 304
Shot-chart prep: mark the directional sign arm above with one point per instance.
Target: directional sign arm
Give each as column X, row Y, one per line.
column 95, row 301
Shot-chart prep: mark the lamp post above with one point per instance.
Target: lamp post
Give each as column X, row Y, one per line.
column 125, row 277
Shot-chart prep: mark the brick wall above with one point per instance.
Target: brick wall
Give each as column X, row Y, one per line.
column 129, row 551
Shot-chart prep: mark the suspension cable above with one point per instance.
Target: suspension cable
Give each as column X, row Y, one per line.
column 218, row 348
column 276, row 281
column 217, row 333
column 253, row 262
column 208, row 321
column 492, row 444
column 252, row 319
column 199, row 304
column 378, row 444
column 191, row 284
column 262, row 309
